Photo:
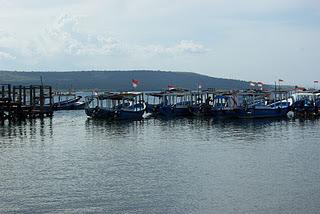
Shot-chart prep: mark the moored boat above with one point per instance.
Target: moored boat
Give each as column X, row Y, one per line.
column 68, row 101
column 170, row 103
column 264, row 105
column 116, row 106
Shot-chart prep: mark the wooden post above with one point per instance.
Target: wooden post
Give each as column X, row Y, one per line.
column 20, row 94
column 2, row 91
column 31, row 95
column 24, row 96
column 34, row 95
column 41, row 101
column 9, row 93
column 50, row 96
column 13, row 93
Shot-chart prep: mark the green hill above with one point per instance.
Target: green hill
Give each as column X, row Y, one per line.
column 119, row 80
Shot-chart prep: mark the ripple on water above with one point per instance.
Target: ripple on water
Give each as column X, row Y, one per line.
column 71, row 164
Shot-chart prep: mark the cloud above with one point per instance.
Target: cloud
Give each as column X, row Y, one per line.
column 67, row 37
column 6, row 56
column 182, row 47
column 262, row 38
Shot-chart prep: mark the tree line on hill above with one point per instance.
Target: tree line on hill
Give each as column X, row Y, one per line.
column 119, row 80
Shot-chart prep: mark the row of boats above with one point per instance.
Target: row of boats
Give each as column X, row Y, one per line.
column 205, row 103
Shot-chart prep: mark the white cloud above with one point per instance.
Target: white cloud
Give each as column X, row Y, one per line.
column 182, row 47
column 6, row 56
column 261, row 38
column 65, row 37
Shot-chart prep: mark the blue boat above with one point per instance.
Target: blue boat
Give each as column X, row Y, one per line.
column 68, row 101
column 278, row 109
column 224, row 106
column 70, row 104
column 116, row 106
column 306, row 104
column 170, row 103
column 217, row 104
column 263, row 105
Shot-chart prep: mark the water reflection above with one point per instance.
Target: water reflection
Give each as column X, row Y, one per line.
column 26, row 130
column 184, row 165
column 113, row 128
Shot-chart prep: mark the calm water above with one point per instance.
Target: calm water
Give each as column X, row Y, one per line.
column 70, row 164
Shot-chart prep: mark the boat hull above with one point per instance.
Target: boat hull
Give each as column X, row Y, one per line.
column 129, row 115
column 262, row 113
column 170, row 111
column 99, row 113
column 71, row 104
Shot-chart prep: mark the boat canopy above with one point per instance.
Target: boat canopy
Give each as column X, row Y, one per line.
column 118, row 96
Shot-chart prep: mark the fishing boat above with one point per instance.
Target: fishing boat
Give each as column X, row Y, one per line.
column 225, row 106
column 68, row 101
column 261, row 105
column 216, row 104
column 306, row 103
column 116, row 106
column 170, row 103
column 201, row 103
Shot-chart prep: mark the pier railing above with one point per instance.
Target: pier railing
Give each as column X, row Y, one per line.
column 20, row 102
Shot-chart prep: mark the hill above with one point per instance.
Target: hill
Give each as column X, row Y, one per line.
column 119, row 80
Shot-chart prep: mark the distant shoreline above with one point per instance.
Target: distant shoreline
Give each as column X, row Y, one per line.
column 119, row 80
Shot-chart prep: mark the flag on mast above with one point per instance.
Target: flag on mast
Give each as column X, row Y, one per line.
column 135, row 83
column 316, row 81
column 280, row 80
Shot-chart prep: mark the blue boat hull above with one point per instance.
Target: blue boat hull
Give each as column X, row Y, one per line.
column 129, row 115
column 152, row 108
column 99, row 113
column 262, row 113
column 169, row 111
column 225, row 114
column 71, row 106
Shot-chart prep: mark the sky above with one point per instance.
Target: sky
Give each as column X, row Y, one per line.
column 254, row 40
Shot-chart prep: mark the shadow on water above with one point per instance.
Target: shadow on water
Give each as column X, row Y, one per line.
column 26, row 130
column 117, row 128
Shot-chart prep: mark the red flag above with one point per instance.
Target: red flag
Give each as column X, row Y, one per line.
column 135, row 83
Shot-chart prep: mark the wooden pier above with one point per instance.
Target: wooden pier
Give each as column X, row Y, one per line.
column 21, row 102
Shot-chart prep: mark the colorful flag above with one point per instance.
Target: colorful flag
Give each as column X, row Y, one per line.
column 135, row 83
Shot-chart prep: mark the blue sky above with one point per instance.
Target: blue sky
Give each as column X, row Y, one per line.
column 241, row 39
